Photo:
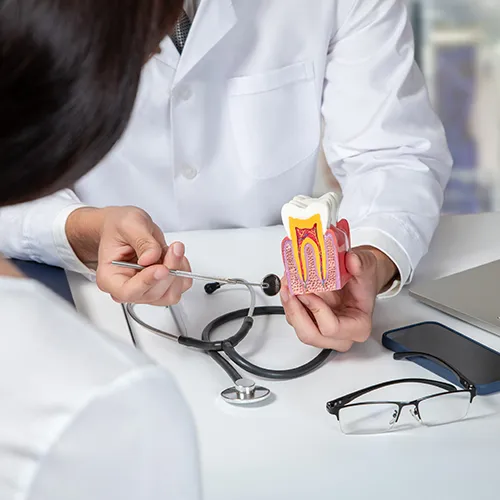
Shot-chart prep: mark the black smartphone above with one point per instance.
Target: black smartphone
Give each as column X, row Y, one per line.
column 479, row 363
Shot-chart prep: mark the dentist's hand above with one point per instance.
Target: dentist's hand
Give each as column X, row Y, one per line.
column 336, row 320
column 129, row 234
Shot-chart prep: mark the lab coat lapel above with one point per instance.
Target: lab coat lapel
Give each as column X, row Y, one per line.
column 169, row 54
column 212, row 22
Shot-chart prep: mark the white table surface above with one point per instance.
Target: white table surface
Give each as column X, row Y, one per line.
column 292, row 448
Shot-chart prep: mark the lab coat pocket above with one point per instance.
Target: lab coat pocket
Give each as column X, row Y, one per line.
column 275, row 118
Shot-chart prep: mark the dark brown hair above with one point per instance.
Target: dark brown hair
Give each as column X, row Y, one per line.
column 69, row 72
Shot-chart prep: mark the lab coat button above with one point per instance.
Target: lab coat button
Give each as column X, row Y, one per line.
column 189, row 172
column 185, row 93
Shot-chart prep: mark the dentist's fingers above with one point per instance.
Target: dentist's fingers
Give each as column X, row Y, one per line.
column 176, row 260
column 154, row 285
column 333, row 299
column 132, row 230
column 344, row 324
column 129, row 234
column 307, row 329
column 145, row 287
column 168, row 289
column 322, row 315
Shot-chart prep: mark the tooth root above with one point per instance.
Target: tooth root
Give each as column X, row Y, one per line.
column 313, row 279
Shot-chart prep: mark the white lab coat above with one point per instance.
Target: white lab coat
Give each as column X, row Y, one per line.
column 84, row 417
column 226, row 134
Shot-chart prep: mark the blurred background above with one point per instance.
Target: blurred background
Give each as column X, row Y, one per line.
column 458, row 50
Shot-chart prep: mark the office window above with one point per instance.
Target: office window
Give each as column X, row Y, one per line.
column 458, row 50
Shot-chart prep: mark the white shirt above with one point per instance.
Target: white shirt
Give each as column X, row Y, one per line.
column 82, row 416
column 226, row 134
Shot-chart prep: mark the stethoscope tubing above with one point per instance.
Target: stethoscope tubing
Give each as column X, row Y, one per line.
column 229, row 349
column 228, row 346
column 215, row 349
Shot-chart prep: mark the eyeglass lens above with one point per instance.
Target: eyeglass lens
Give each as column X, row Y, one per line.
column 378, row 417
column 444, row 408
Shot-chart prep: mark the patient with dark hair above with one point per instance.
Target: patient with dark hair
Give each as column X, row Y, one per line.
column 82, row 417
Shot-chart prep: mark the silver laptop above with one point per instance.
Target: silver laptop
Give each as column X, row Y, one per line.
column 472, row 296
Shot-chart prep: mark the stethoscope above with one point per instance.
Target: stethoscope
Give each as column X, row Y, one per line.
column 244, row 390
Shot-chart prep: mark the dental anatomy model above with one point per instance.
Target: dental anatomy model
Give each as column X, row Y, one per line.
column 315, row 247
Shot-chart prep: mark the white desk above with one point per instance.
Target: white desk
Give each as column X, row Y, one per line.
column 292, row 448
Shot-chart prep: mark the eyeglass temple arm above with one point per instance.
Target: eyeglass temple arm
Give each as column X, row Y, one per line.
column 464, row 381
column 334, row 406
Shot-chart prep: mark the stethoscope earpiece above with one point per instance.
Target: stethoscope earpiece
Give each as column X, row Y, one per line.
column 212, row 287
column 273, row 285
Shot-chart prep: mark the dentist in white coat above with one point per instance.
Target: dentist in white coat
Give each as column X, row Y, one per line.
column 227, row 128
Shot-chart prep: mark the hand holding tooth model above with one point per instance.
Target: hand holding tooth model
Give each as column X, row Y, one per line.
column 329, row 289
column 315, row 249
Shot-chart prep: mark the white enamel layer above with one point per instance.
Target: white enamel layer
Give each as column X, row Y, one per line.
column 304, row 207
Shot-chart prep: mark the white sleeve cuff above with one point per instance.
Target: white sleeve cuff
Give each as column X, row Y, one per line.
column 67, row 256
column 383, row 241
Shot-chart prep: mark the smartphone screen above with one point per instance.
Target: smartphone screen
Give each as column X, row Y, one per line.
column 478, row 363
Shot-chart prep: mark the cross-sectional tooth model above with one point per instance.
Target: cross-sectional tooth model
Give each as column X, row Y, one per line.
column 316, row 244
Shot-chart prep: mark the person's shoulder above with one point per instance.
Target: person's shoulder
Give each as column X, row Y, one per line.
column 63, row 383
column 56, row 342
column 134, row 438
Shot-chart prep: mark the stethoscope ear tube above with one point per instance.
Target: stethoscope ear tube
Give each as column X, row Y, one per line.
column 199, row 344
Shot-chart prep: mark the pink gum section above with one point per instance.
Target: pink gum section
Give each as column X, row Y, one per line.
column 336, row 244
column 295, row 284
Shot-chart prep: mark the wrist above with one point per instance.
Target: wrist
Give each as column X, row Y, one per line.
column 83, row 230
column 387, row 271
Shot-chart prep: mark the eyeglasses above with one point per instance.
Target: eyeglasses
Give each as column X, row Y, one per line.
column 372, row 417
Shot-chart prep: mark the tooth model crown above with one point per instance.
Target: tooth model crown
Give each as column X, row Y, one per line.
column 315, row 247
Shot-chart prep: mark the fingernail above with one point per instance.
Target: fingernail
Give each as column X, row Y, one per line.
column 284, row 295
column 178, row 249
column 304, row 300
column 355, row 258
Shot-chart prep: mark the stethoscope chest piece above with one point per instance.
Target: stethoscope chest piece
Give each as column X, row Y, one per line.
column 245, row 392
